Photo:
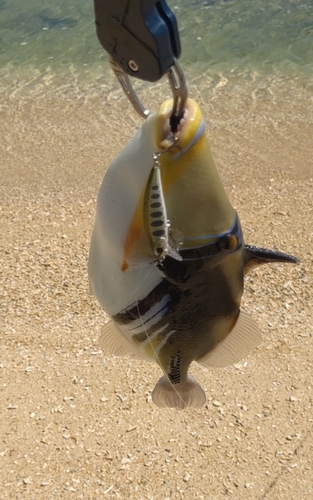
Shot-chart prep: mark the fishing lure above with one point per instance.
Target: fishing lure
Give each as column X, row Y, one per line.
column 156, row 223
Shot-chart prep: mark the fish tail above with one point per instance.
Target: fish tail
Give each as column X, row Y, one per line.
column 179, row 396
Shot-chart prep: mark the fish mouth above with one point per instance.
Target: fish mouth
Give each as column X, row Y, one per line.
column 168, row 129
column 184, row 129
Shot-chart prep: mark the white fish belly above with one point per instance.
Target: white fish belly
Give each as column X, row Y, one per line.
column 117, row 200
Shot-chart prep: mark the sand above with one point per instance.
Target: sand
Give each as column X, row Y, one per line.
column 75, row 424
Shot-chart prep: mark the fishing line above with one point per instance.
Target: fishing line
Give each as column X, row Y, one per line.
column 156, row 157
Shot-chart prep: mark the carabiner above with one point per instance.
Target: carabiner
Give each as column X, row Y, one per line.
column 126, row 85
column 178, row 88
column 180, row 94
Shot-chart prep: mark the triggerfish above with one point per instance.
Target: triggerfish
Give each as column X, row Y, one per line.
column 167, row 258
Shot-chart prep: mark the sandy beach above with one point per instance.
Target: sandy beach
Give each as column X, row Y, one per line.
column 75, row 424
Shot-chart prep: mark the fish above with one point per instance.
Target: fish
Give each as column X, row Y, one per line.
column 176, row 300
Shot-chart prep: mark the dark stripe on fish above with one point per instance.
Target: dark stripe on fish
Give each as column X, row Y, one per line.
column 195, row 305
column 194, row 296
column 217, row 247
column 177, row 273
column 143, row 335
column 129, row 315
column 194, row 286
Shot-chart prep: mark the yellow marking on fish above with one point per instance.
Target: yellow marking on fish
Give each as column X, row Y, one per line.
column 171, row 169
column 186, row 167
column 134, row 230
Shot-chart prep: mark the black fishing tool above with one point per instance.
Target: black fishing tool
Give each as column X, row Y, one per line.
column 142, row 39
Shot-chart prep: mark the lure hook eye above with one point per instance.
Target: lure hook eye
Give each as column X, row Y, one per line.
column 177, row 84
column 161, row 249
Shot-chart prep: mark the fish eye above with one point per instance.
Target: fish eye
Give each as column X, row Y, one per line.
column 228, row 242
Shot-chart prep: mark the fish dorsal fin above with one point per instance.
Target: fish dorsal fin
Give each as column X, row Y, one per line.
column 113, row 342
column 244, row 337
column 255, row 256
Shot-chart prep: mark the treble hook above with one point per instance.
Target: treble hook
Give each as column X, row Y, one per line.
column 173, row 141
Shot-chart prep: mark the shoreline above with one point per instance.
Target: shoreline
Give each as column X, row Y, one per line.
column 76, row 423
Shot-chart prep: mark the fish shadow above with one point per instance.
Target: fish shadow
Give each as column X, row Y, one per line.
column 50, row 21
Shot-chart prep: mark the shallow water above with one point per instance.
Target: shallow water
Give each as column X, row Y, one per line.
column 271, row 37
column 248, row 64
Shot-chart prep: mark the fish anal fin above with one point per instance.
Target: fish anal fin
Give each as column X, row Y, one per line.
column 243, row 337
column 255, row 256
column 113, row 342
column 179, row 396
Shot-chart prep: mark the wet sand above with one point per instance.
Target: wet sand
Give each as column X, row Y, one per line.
column 77, row 425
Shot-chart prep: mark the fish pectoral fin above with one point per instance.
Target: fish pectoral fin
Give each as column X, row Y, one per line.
column 255, row 256
column 113, row 342
column 244, row 337
column 179, row 396
column 90, row 291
